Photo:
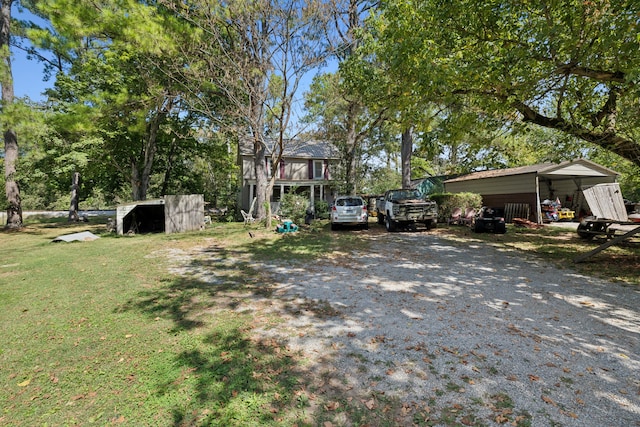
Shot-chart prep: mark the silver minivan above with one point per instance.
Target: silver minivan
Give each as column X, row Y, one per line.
column 349, row 210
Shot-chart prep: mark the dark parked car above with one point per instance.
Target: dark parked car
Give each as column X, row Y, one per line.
column 490, row 220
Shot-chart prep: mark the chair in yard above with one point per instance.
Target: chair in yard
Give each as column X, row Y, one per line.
column 248, row 218
column 455, row 217
column 469, row 216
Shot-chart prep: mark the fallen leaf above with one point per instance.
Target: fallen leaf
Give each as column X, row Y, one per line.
column 534, row 377
column 370, row 404
column 24, row 383
column 569, row 414
column 501, row 419
column 328, row 424
column 332, row 406
column 548, row 400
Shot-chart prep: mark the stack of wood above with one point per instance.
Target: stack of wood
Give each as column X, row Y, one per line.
column 521, row 222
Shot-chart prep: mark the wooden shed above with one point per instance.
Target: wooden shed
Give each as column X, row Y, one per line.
column 528, row 186
column 170, row 214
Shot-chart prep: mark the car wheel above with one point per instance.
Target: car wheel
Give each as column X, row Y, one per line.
column 478, row 227
column 380, row 218
column 334, row 227
column 501, row 228
column 389, row 224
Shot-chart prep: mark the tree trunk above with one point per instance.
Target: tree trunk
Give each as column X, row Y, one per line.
column 140, row 178
column 405, row 152
column 12, row 191
column 73, row 207
column 350, row 151
column 169, row 168
column 262, row 181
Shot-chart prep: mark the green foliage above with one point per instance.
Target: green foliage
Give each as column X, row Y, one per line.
column 381, row 180
column 321, row 209
column 515, row 61
column 448, row 202
column 294, row 206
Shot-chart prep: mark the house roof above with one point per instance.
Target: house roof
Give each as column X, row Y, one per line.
column 572, row 168
column 299, row 149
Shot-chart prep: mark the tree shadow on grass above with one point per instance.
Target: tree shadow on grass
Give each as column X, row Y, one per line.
column 221, row 373
column 237, row 380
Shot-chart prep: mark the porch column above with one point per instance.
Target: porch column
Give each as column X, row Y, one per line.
column 312, row 195
column 250, row 196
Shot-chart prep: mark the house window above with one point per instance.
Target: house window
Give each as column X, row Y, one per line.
column 318, row 169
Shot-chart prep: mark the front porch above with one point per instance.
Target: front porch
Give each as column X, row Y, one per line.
column 314, row 189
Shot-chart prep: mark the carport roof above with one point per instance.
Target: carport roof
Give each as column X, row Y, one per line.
column 568, row 169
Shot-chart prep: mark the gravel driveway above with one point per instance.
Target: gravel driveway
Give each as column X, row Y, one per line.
column 465, row 331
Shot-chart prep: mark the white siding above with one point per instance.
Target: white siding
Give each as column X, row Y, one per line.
column 247, row 168
column 296, row 169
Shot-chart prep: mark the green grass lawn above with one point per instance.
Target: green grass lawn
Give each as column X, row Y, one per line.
column 102, row 333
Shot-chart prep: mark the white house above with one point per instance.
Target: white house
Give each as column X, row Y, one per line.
column 305, row 168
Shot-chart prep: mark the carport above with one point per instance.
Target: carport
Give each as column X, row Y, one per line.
column 525, row 187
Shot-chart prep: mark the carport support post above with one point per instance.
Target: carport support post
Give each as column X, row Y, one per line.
column 538, row 204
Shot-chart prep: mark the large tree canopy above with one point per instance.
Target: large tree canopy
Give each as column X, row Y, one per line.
column 572, row 66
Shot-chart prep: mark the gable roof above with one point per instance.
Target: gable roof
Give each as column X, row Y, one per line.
column 299, row 149
column 579, row 167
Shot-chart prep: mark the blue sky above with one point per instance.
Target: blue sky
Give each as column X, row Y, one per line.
column 27, row 74
column 27, row 77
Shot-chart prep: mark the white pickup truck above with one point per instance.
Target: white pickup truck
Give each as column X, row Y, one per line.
column 406, row 207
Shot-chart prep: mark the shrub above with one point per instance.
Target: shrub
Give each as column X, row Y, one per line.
column 321, row 209
column 294, row 206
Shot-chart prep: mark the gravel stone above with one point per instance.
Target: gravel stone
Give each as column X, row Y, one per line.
column 430, row 320
column 440, row 323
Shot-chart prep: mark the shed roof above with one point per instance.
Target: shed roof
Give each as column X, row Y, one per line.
column 572, row 168
column 299, row 149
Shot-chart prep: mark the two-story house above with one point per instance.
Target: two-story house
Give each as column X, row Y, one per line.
column 305, row 168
